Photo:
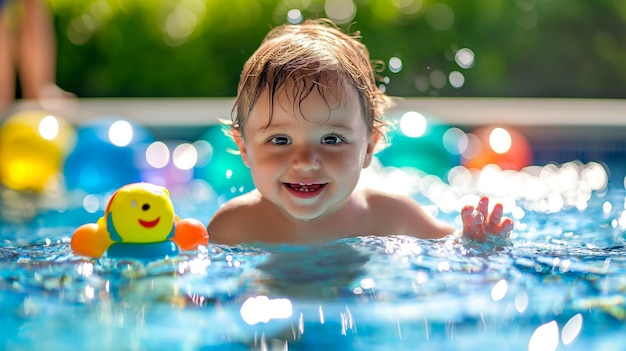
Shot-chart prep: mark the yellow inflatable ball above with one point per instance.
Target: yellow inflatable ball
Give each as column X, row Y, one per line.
column 33, row 146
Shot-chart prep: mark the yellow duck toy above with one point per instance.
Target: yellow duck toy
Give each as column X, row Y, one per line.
column 139, row 222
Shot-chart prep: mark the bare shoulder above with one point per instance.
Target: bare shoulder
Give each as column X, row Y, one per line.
column 401, row 214
column 391, row 204
column 232, row 219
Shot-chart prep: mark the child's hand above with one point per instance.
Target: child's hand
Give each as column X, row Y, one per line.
column 477, row 223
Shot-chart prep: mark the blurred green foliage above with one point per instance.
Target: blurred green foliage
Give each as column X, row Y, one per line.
column 196, row 48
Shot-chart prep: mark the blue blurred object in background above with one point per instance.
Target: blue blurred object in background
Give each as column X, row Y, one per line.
column 422, row 143
column 109, row 153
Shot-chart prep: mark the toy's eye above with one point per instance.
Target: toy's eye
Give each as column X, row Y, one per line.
column 133, row 203
column 145, row 207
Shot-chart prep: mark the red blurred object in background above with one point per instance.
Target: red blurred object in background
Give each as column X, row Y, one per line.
column 505, row 147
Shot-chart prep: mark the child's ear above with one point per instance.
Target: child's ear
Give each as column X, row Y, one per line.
column 241, row 146
column 371, row 147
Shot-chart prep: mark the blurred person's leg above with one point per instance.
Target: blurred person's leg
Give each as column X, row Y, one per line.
column 37, row 59
column 37, row 51
column 7, row 69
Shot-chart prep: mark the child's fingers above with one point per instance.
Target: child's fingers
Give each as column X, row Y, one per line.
column 473, row 223
column 504, row 228
column 483, row 206
column 466, row 217
column 467, row 210
column 507, row 226
column 495, row 218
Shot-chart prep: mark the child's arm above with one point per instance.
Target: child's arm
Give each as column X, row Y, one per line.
column 400, row 214
column 477, row 222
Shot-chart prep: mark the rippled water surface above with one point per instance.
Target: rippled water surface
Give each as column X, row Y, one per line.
column 558, row 283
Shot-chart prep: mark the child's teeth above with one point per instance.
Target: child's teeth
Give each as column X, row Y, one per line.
column 305, row 187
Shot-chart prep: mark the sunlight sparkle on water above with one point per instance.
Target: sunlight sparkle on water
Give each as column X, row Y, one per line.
column 499, row 290
column 521, row 302
column 547, row 189
column 571, row 329
column 263, row 309
column 545, row 338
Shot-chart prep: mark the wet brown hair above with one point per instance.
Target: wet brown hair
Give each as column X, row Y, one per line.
column 310, row 55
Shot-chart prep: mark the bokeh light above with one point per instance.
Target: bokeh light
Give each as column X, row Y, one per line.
column 179, row 22
column 419, row 143
column 158, row 154
column 49, row 127
column 340, row 11
column 170, row 164
column 120, row 133
column 505, row 147
column 413, row 124
column 437, row 79
column 456, row 79
column 464, row 58
column 500, row 140
column 455, row 141
column 408, row 6
column 294, row 16
column 395, row 64
column 440, row 16
column 185, row 156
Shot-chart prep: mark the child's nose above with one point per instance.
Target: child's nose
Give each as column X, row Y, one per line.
column 306, row 159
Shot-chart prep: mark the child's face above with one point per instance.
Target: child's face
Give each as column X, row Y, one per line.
column 308, row 160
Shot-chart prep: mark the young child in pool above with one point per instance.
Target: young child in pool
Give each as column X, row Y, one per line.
column 307, row 119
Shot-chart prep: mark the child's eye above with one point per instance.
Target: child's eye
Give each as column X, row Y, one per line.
column 332, row 139
column 280, row 140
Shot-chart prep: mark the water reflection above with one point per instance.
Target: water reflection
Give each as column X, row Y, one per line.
column 327, row 270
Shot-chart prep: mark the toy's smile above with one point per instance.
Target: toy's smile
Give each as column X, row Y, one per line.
column 149, row 224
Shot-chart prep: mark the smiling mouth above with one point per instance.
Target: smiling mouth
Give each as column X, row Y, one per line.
column 149, row 224
column 305, row 188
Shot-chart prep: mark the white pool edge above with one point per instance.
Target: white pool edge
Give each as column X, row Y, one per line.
column 455, row 111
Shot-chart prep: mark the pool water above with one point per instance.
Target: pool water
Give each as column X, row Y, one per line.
column 557, row 284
